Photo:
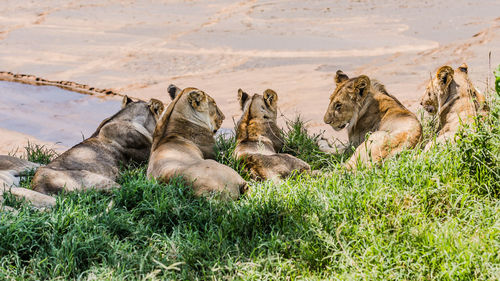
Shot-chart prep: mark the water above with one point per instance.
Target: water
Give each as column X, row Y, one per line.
column 52, row 114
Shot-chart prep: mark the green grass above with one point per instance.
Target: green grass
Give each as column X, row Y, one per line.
column 420, row 216
column 39, row 153
column 303, row 145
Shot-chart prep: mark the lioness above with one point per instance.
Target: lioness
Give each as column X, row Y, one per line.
column 11, row 168
column 259, row 139
column 454, row 99
column 124, row 138
column 184, row 138
column 365, row 107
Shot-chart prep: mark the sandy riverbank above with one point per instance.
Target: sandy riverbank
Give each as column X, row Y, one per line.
column 13, row 143
column 295, row 47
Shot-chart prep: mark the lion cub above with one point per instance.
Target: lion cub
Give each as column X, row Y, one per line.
column 11, row 168
column 454, row 99
column 124, row 138
column 365, row 107
column 184, row 139
column 259, row 139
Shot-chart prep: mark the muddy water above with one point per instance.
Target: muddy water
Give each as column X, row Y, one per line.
column 52, row 114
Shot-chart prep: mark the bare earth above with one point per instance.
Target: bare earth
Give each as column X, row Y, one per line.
column 139, row 47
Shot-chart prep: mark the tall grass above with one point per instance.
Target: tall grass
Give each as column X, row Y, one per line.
column 419, row 216
column 39, row 153
column 497, row 80
column 303, row 145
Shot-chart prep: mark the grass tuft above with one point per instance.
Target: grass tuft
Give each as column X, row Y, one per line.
column 301, row 144
column 39, row 153
column 479, row 150
column 497, row 80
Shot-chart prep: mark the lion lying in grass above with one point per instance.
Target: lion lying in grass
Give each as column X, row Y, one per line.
column 11, row 168
column 124, row 138
column 259, row 139
column 451, row 95
column 365, row 107
column 184, row 139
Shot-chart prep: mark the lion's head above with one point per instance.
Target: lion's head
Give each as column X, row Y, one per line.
column 346, row 100
column 142, row 115
column 263, row 108
column 258, row 121
column 197, row 107
column 437, row 90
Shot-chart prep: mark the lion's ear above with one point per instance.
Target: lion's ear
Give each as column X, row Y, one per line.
column 156, row 107
column 173, row 91
column 195, row 98
column 242, row 98
column 445, row 75
column 271, row 98
column 125, row 101
column 340, row 77
column 464, row 68
column 361, row 87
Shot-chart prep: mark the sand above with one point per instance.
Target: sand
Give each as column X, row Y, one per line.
column 13, row 143
column 294, row 47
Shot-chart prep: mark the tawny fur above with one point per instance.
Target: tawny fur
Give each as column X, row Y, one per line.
column 259, row 139
column 184, row 140
column 120, row 140
column 452, row 96
column 366, row 108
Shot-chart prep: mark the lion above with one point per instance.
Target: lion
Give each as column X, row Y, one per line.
column 365, row 107
column 258, row 139
column 11, row 168
column 183, row 146
column 120, row 140
column 454, row 99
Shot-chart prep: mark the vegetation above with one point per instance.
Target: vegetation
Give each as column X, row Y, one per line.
column 419, row 216
column 497, row 80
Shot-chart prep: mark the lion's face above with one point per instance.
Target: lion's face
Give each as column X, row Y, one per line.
column 437, row 90
column 346, row 100
column 429, row 100
column 215, row 114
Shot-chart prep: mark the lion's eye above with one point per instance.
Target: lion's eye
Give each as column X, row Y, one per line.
column 338, row 106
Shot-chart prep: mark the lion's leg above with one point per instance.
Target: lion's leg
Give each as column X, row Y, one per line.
column 16, row 164
column 327, row 147
column 371, row 150
column 37, row 199
column 88, row 180
column 381, row 145
column 444, row 138
column 11, row 168
column 8, row 179
column 209, row 177
column 259, row 169
column 9, row 183
column 52, row 181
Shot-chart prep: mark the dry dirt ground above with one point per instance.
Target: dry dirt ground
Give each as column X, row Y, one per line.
column 294, row 47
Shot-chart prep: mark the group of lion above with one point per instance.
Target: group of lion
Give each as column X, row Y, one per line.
column 178, row 141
